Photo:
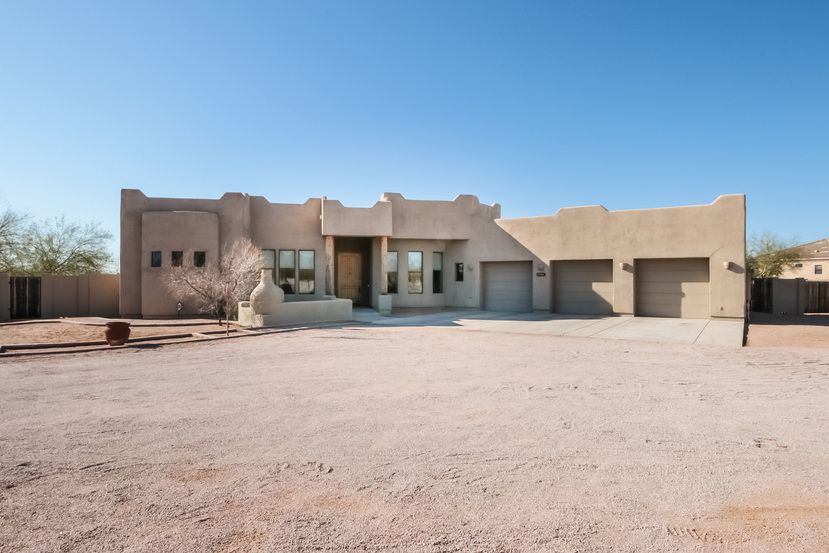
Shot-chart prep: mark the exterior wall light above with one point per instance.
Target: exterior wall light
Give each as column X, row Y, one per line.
column 626, row 266
column 727, row 265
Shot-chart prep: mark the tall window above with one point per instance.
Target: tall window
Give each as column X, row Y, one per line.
column 415, row 272
column 286, row 278
column 268, row 258
column 155, row 259
column 818, row 269
column 391, row 271
column 437, row 272
column 199, row 259
column 306, row 271
column 177, row 259
column 458, row 272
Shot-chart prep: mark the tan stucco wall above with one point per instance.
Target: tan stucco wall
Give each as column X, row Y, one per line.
column 232, row 208
column 168, row 231
column 93, row 295
column 438, row 220
column 807, row 271
column 715, row 231
column 291, row 227
column 338, row 220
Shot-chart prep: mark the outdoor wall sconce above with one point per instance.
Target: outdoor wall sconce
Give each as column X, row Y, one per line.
column 540, row 267
column 727, row 265
column 626, row 266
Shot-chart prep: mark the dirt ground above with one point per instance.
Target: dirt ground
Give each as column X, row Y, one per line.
column 43, row 333
column 413, row 439
column 808, row 331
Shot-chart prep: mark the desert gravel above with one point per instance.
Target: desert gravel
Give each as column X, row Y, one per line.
column 416, row 439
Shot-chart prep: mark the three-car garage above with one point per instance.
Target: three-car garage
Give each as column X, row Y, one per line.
column 662, row 287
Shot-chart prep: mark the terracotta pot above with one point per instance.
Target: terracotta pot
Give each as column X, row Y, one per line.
column 117, row 333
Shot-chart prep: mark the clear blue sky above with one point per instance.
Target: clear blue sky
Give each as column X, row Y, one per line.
column 535, row 105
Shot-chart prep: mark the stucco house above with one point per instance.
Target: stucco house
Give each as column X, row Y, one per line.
column 670, row 262
column 812, row 262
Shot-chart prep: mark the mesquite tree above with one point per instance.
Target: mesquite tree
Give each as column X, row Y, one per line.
column 219, row 286
column 769, row 255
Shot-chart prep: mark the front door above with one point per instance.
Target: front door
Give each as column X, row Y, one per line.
column 349, row 276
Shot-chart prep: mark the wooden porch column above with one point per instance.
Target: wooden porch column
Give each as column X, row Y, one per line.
column 329, row 265
column 384, row 250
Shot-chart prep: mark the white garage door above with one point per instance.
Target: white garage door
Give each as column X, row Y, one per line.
column 508, row 286
column 583, row 287
column 672, row 288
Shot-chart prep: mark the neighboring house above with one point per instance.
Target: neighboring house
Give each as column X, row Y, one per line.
column 812, row 262
column 671, row 262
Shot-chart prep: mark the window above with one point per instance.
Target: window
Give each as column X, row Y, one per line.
column 458, row 272
column 199, row 259
column 268, row 260
column 391, row 271
column 306, row 271
column 177, row 259
column 437, row 272
column 155, row 259
column 818, row 269
column 415, row 272
column 798, row 265
column 287, row 271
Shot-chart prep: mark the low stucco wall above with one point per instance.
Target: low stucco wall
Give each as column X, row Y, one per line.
column 92, row 295
column 299, row 312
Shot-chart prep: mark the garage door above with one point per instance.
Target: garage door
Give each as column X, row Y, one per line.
column 672, row 288
column 583, row 287
column 508, row 286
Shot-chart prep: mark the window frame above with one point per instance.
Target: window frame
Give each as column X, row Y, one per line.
column 410, row 272
column 173, row 258
column 298, row 262
column 396, row 271
column 459, row 272
column 819, row 269
column 279, row 270
column 156, row 255
column 272, row 263
column 437, row 274
column 203, row 260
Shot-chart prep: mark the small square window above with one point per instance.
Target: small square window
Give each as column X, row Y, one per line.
column 177, row 259
column 818, row 269
column 458, row 272
column 155, row 259
column 199, row 259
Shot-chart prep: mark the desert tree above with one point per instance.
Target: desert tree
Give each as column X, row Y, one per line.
column 58, row 247
column 219, row 286
column 769, row 255
column 12, row 226
column 52, row 246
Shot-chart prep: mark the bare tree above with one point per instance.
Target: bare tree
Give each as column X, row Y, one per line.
column 769, row 255
column 218, row 287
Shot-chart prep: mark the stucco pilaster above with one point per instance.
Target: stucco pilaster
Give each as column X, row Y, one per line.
column 623, row 285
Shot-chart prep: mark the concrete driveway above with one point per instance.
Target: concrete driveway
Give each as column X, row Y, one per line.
column 650, row 329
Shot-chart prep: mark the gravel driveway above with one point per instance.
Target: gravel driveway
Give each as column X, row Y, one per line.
column 414, row 439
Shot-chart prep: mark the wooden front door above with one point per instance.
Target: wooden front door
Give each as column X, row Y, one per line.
column 349, row 276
